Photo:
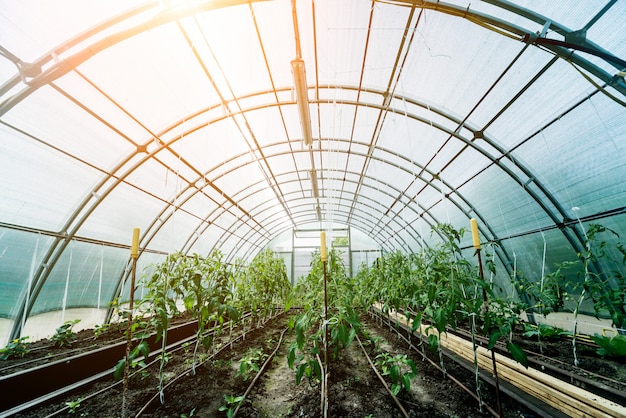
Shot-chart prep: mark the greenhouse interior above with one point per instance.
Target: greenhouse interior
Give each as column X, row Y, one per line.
column 343, row 169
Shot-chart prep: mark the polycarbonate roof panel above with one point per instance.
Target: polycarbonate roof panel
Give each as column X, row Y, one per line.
column 41, row 187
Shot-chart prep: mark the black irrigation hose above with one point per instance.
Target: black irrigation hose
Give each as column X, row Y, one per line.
column 260, row 372
column 395, row 399
column 453, row 379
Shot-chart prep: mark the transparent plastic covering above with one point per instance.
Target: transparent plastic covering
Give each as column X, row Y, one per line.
column 188, row 120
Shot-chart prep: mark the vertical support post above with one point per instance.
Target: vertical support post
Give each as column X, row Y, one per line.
column 134, row 254
column 476, row 242
column 324, row 258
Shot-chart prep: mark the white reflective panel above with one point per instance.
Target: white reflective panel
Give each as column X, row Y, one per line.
column 223, row 31
column 570, row 13
column 206, row 241
column 539, row 106
column 281, row 163
column 156, row 179
column 388, row 32
column 432, row 66
column 503, row 203
column 225, row 220
column 589, row 156
column 152, row 75
column 240, row 178
column 463, row 167
column 521, row 73
column 22, row 253
column 64, row 125
column 122, row 133
column 25, row 36
column 77, row 280
column 173, row 235
column 341, row 34
column 199, row 204
column 365, row 124
column 40, row 186
column 389, row 174
column 293, row 186
column 429, row 195
column 211, row 146
column 267, row 126
column 603, row 31
column 123, row 209
column 337, row 124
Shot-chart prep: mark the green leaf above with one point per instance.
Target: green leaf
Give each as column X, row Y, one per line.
column 493, row 339
column 300, row 372
column 433, row 342
column 395, row 389
column 394, row 372
column 291, row 356
column 611, row 346
column 518, row 354
column 406, row 381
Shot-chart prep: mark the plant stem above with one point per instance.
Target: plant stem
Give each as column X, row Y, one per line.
column 129, row 336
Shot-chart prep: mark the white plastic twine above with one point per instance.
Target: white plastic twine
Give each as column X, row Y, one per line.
column 101, row 271
column 543, row 262
column 514, row 266
column 31, row 275
column 67, row 285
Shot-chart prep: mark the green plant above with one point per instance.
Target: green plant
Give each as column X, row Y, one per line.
column 73, row 405
column 250, row 362
column 231, row 404
column 98, row 330
column 611, row 346
column 136, row 359
column 65, row 335
column 207, row 294
column 607, row 290
column 400, row 369
column 544, row 331
column 15, row 348
column 310, row 326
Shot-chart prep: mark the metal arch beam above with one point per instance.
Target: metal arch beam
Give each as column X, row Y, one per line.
column 82, row 37
column 517, row 32
column 251, row 188
column 426, row 121
column 388, row 186
column 67, row 64
column 360, row 223
column 453, row 10
column 495, row 160
column 228, row 3
column 308, row 205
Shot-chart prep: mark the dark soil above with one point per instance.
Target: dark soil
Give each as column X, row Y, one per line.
column 354, row 388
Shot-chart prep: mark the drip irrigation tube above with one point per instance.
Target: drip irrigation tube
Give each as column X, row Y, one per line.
column 447, row 375
column 188, row 371
column 395, row 399
column 260, row 372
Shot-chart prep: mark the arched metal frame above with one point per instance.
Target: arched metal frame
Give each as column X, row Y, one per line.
column 261, row 226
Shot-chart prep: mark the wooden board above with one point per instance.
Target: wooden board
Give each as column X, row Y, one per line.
column 565, row 397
